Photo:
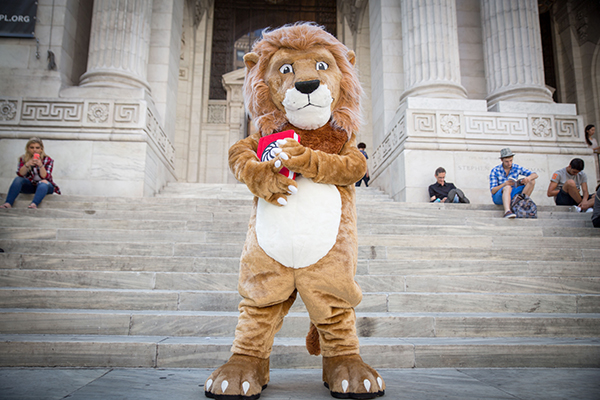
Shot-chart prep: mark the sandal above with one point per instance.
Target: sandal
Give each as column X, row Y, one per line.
column 6, row 205
column 32, row 206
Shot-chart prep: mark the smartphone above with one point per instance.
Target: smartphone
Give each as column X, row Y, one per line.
column 36, row 156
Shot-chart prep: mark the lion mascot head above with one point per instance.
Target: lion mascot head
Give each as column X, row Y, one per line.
column 302, row 75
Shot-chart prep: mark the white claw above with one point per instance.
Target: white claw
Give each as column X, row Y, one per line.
column 276, row 150
column 209, row 384
column 284, row 156
column 380, row 382
column 246, row 386
column 282, row 201
column 224, row 386
column 281, row 141
column 367, row 384
column 293, row 189
column 344, row 385
column 277, row 164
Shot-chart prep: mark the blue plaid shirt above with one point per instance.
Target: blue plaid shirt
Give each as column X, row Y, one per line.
column 498, row 175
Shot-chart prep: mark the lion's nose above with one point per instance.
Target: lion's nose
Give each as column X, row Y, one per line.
column 307, row 87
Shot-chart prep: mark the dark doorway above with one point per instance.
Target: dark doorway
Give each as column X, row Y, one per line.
column 238, row 23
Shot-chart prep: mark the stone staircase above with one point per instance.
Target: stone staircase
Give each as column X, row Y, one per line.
column 151, row 282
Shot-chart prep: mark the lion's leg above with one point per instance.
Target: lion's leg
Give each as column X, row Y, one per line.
column 268, row 293
column 330, row 293
column 246, row 374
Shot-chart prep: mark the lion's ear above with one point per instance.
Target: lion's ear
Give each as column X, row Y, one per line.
column 250, row 59
column 351, row 57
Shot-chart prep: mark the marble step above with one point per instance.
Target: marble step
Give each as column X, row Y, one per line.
column 392, row 283
column 187, row 203
column 201, row 238
column 202, row 300
column 408, row 248
column 190, row 352
column 220, row 324
column 230, row 265
column 238, row 225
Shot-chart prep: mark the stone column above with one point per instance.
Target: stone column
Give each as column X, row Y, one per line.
column 430, row 44
column 119, row 44
column 512, row 45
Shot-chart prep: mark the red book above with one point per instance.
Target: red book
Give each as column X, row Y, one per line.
column 267, row 144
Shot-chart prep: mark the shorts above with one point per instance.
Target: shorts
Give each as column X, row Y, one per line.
column 498, row 196
column 564, row 199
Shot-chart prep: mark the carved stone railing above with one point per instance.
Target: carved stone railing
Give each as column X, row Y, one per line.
column 482, row 131
column 78, row 119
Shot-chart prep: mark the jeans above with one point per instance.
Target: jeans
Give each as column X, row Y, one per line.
column 23, row 185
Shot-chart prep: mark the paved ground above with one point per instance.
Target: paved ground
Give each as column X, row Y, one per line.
column 404, row 384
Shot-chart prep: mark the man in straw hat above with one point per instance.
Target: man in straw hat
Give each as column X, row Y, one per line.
column 505, row 183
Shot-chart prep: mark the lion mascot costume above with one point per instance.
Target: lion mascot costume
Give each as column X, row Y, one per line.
column 302, row 235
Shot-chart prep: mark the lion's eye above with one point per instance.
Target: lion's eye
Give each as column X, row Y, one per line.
column 322, row 66
column 286, row 69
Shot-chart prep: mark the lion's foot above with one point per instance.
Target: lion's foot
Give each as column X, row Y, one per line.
column 241, row 378
column 348, row 377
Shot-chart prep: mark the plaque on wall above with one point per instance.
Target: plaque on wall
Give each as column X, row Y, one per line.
column 17, row 18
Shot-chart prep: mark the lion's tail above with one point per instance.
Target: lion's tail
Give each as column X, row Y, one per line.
column 312, row 341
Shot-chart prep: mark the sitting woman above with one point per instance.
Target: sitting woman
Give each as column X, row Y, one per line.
column 34, row 175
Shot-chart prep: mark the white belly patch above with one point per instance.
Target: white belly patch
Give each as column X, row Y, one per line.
column 302, row 232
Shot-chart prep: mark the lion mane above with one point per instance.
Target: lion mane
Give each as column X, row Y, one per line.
column 302, row 36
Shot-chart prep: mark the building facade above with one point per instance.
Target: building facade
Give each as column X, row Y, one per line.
column 131, row 94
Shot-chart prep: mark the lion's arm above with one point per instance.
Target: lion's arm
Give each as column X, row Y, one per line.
column 341, row 169
column 262, row 178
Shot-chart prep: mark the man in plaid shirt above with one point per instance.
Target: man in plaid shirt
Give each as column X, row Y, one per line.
column 505, row 183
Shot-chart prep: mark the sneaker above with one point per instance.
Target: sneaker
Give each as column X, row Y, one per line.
column 589, row 210
column 577, row 208
column 510, row 215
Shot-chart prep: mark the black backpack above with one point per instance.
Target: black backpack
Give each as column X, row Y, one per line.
column 523, row 206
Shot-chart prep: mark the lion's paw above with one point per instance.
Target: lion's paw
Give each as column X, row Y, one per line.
column 348, row 377
column 241, row 378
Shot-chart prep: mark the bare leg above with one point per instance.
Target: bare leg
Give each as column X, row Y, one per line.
column 571, row 188
column 529, row 188
column 506, row 191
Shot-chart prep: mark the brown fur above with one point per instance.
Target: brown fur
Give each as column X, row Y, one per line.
column 266, row 115
column 326, row 155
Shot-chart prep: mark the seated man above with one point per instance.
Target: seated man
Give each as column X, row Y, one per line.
column 505, row 183
column 445, row 192
column 567, row 184
column 593, row 203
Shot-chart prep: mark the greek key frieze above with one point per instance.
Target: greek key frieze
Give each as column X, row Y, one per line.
column 127, row 113
column 495, row 125
column 567, row 128
column 59, row 112
column 424, row 122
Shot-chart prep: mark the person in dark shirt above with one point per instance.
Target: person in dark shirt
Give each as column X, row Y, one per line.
column 445, row 192
column 363, row 149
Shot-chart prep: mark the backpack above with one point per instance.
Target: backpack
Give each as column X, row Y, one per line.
column 523, row 206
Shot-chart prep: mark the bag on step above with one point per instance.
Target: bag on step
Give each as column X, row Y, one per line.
column 523, row 206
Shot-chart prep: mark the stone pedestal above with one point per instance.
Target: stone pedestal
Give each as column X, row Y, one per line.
column 513, row 52
column 430, row 43
column 119, row 44
column 465, row 139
